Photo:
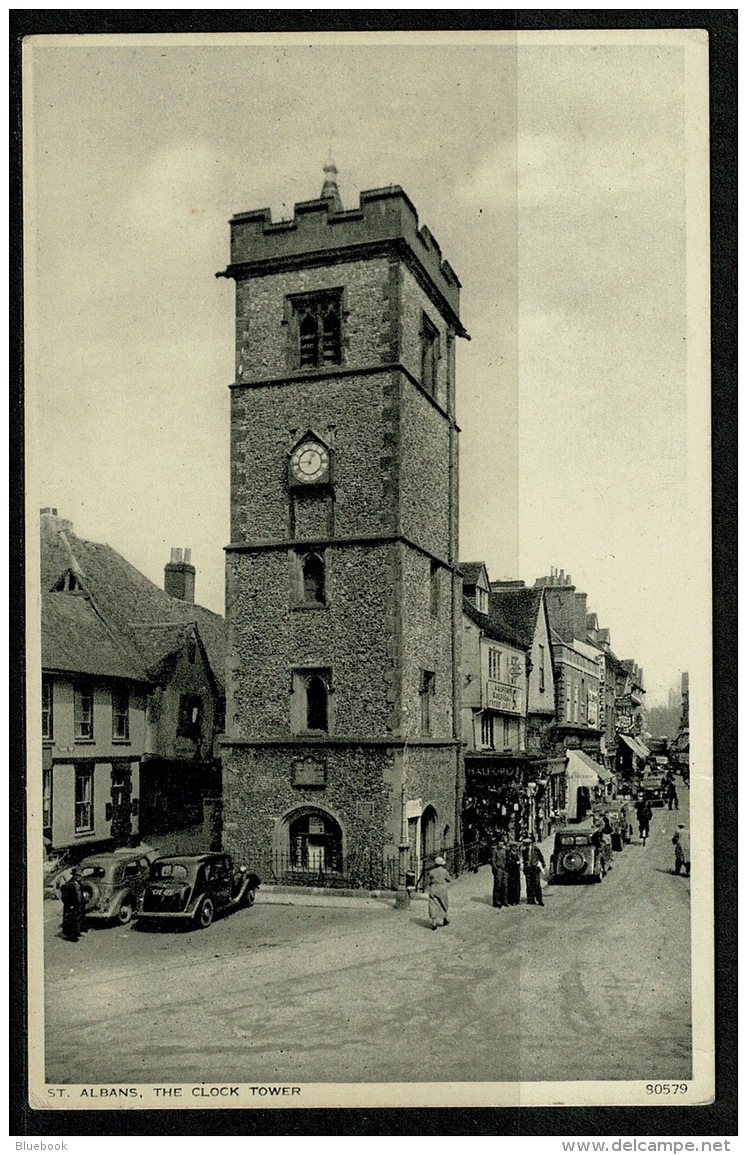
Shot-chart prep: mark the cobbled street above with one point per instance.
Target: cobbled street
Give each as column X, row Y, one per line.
column 316, row 988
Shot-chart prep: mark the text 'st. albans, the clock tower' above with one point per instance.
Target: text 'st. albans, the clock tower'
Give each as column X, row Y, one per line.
column 343, row 595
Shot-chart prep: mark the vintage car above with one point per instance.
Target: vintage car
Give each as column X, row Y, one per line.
column 580, row 854
column 653, row 788
column 113, row 885
column 192, row 888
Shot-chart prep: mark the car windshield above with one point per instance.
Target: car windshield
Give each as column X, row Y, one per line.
column 170, row 870
column 572, row 840
column 92, row 871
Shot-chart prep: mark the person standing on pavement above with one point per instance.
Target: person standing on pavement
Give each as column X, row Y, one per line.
column 438, row 893
column 681, row 840
column 499, row 866
column 644, row 814
column 534, row 863
column 672, row 798
column 513, row 870
column 73, row 906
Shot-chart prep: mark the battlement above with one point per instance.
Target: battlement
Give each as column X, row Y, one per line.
column 319, row 229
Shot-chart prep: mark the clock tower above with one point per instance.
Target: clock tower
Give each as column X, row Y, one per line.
column 343, row 596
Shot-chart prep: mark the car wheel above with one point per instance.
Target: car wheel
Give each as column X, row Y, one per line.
column 205, row 913
column 124, row 913
column 247, row 899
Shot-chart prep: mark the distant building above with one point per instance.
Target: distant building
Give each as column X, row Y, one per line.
column 132, row 694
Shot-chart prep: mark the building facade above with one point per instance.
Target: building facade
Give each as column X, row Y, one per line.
column 343, row 589
column 132, row 697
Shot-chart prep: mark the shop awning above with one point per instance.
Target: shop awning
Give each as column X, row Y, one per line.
column 583, row 769
column 635, row 745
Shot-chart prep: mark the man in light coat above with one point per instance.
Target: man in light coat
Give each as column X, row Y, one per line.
column 681, row 840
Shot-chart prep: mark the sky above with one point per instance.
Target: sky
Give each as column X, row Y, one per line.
column 551, row 174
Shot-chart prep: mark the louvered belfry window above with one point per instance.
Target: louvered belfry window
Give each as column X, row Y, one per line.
column 319, row 321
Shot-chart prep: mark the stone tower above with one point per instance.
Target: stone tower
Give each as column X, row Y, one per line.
column 342, row 588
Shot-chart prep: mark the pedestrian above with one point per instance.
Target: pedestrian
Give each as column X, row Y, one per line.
column 681, row 842
column 438, row 893
column 644, row 814
column 73, row 907
column 499, row 866
column 672, row 798
column 513, row 867
column 533, row 864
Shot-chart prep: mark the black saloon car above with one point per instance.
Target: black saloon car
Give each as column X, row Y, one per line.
column 580, row 855
column 193, row 888
column 113, row 885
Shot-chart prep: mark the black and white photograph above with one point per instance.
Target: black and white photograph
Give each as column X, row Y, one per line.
column 368, row 523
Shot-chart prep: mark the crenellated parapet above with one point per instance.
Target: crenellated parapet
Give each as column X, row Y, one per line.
column 321, row 229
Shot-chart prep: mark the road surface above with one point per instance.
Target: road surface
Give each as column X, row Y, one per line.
column 596, row 985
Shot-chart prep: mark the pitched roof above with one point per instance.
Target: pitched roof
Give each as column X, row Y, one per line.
column 515, row 609
column 492, row 629
column 471, row 571
column 126, row 598
column 75, row 640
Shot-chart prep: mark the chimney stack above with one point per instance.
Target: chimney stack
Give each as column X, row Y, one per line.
column 179, row 576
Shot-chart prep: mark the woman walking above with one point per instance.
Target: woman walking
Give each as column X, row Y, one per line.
column 438, row 894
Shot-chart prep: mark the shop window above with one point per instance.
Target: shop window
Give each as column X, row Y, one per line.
column 47, row 710
column 83, row 799
column 506, row 734
column 83, row 712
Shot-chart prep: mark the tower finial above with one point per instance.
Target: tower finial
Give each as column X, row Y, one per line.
column 330, row 190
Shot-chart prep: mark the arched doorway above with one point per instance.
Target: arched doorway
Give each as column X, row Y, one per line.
column 429, row 847
column 309, row 841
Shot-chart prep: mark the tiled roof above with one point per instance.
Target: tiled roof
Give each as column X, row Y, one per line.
column 491, row 628
column 75, row 640
column 126, row 598
column 471, row 571
column 516, row 609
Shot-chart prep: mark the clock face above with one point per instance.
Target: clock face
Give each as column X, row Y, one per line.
column 310, row 462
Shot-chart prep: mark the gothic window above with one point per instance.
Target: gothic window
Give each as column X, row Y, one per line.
column 310, row 701
column 429, row 356
column 318, row 323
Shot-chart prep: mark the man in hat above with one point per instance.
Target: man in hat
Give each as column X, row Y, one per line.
column 73, row 907
column 499, row 866
column 534, row 863
column 681, row 842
